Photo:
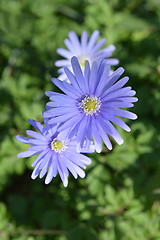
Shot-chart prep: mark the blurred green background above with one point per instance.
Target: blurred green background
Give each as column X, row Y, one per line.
column 120, row 197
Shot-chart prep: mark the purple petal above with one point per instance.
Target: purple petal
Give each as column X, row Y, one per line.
column 60, row 111
column 60, row 85
column 22, row 139
column 63, row 118
column 116, row 104
column 99, row 45
column 119, row 113
column 74, row 129
column 36, row 135
column 63, row 165
column 60, row 104
column 103, row 80
column 117, row 93
column 50, row 94
column 103, row 129
column 33, row 141
column 84, row 38
column 64, row 53
column 54, row 164
column 79, row 158
column 114, row 77
column 40, row 157
column 72, row 79
column 78, row 170
column 49, row 175
column 45, row 159
column 93, row 78
column 62, row 63
column 70, row 166
column 62, row 99
column 120, row 123
column 125, row 114
column 129, row 99
column 110, row 48
column 71, row 122
column 37, row 125
column 112, row 61
column 37, row 148
column 88, row 148
column 116, row 86
column 96, row 136
column 115, row 134
column 69, row 45
column 88, row 142
column 71, row 88
column 27, row 153
column 102, row 54
column 93, row 39
column 78, row 73
column 73, row 157
column 106, row 52
column 81, row 134
column 86, row 71
column 35, row 171
column 131, row 93
column 75, row 41
column 62, row 175
column 52, row 172
column 45, row 168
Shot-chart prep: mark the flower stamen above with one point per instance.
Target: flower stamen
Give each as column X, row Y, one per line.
column 82, row 61
column 90, row 105
column 58, row 146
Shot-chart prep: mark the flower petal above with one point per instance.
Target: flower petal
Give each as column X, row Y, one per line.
column 27, row 153
column 93, row 39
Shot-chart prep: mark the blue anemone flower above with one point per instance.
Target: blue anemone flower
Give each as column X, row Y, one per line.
column 56, row 153
column 84, row 50
column 91, row 103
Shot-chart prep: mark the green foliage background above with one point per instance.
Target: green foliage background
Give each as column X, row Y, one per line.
column 120, row 197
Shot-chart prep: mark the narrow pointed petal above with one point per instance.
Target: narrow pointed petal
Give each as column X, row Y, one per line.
column 37, row 148
column 40, row 157
column 74, row 39
column 22, row 139
column 27, row 153
column 96, row 137
column 37, row 125
column 99, row 45
column 93, row 78
column 70, row 167
column 60, row 85
column 84, row 38
column 36, row 135
column 72, row 79
column 120, row 123
column 105, row 137
column 64, row 53
column 63, row 118
column 45, row 168
column 114, row 77
column 70, row 122
column 102, row 81
column 93, row 39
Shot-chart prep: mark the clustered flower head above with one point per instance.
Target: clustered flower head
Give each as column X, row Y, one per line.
column 84, row 50
column 80, row 118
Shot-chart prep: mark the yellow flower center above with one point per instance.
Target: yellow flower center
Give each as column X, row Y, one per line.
column 82, row 61
column 58, row 146
column 90, row 105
